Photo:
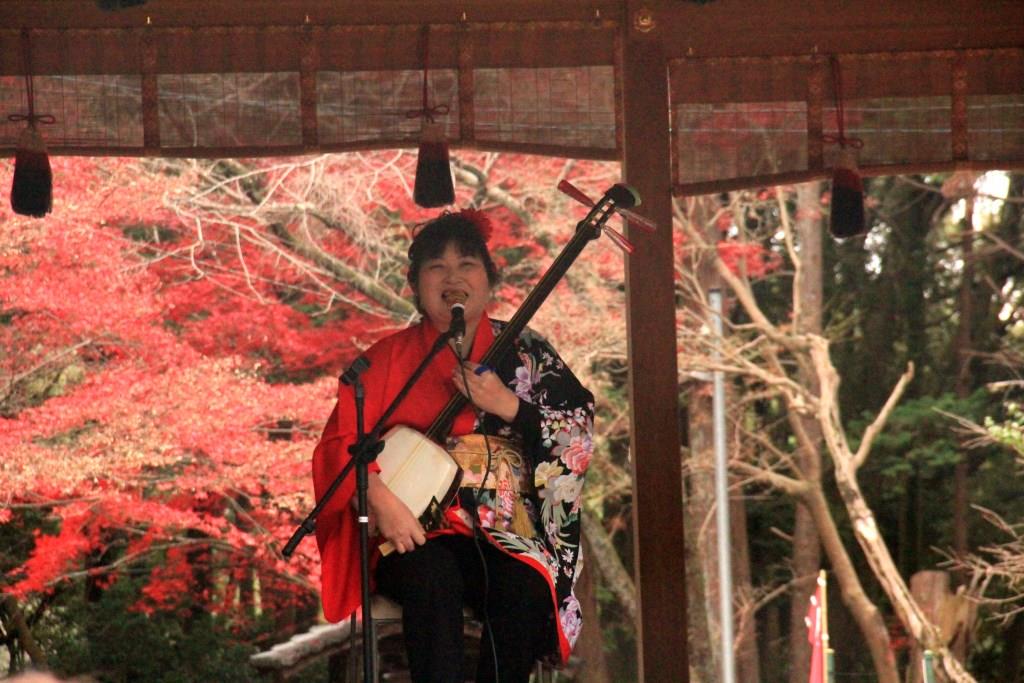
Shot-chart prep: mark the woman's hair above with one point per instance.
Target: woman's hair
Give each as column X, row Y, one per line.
column 435, row 236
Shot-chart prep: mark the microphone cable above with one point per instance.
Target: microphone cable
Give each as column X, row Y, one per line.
column 474, row 516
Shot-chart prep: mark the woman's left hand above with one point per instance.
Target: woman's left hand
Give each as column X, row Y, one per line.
column 486, row 390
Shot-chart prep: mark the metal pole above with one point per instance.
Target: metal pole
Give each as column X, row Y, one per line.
column 928, row 665
column 722, row 496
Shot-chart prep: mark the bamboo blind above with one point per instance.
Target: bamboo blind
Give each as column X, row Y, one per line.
column 221, row 91
column 544, row 87
column 740, row 122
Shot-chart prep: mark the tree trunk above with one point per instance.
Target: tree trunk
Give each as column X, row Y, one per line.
column 18, row 626
column 806, row 547
column 806, row 561
column 963, row 388
column 615, row 577
column 877, row 554
column 774, row 641
column 590, row 648
column 747, row 657
column 952, row 612
column 1013, row 651
column 699, row 488
column 702, row 564
column 963, row 385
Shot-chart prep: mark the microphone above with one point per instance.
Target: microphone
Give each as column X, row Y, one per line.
column 457, row 328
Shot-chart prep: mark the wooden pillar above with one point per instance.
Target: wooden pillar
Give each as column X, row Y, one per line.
column 650, row 317
column 309, row 64
column 150, row 95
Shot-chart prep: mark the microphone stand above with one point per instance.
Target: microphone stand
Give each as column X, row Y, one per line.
column 364, row 451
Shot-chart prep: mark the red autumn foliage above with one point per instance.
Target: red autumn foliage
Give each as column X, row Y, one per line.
column 171, row 356
column 137, row 431
column 748, row 258
column 137, row 406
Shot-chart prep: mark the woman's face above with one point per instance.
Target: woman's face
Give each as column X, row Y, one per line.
column 449, row 278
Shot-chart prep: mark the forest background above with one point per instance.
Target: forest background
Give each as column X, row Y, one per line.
column 171, row 337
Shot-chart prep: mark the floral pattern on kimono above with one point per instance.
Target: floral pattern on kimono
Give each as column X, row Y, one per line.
column 559, row 455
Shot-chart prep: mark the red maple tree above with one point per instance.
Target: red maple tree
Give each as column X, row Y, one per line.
column 174, row 330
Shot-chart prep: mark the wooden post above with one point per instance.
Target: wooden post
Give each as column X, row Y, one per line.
column 309, row 62
column 650, row 318
column 150, row 95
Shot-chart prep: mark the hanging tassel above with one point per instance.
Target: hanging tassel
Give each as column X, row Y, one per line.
column 522, row 525
column 433, row 186
column 847, row 218
column 32, row 189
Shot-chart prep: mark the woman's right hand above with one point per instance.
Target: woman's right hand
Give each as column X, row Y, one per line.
column 393, row 518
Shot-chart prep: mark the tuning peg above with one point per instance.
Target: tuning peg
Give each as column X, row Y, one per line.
column 619, row 239
column 645, row 224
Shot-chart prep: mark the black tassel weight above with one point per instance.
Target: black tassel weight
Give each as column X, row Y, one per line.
column 847, row 215
column 433, row 186
column 32, row 187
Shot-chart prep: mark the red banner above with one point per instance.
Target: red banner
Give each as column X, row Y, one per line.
column 816, row 633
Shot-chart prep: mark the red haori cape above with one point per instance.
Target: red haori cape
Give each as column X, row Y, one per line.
column 392, row 361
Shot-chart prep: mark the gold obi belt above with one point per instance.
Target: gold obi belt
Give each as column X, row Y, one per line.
column 510, row 478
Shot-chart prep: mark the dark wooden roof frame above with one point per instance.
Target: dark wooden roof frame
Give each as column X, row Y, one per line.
column 642, row 40
column 717, row 28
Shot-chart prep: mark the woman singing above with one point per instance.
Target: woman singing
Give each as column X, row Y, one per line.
column 509, row 546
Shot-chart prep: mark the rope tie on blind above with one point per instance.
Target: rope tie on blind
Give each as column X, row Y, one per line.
column 837, row 94
column 31, row 117
column 426, row 111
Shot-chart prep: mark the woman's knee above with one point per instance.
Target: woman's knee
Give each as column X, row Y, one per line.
column 429, row 568
column 519, row 588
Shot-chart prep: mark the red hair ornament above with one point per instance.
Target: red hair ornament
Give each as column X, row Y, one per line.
column 479, row 220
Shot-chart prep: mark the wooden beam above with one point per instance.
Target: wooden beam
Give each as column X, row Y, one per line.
column 805, row 27
column 163, row 13
column 660, row 566
column 715, row 28
column 272, row 48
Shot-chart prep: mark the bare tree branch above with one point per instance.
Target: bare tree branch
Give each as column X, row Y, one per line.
column 883, row 416
column 399, row 306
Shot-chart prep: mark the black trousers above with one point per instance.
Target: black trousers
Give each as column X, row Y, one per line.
column 435, row 581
